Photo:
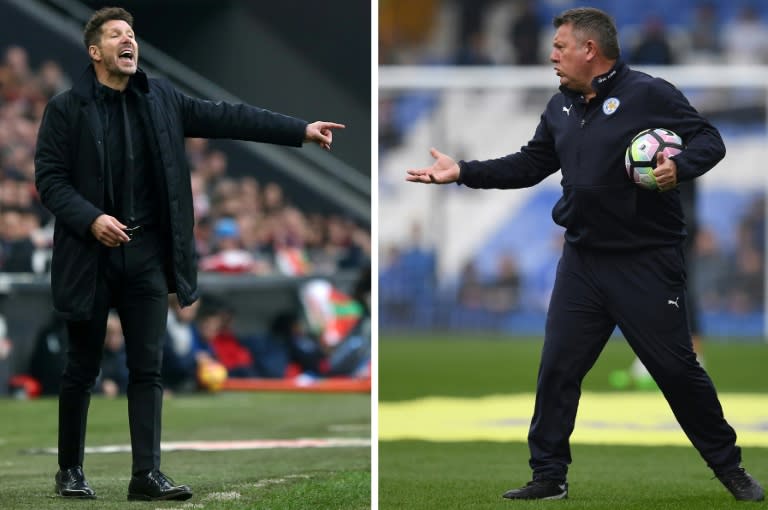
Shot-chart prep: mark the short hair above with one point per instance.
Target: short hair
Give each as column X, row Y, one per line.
column 92, row 31
column 594, row 23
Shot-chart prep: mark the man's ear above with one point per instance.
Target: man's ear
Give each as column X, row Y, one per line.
column 94, row 52
column 591, row 48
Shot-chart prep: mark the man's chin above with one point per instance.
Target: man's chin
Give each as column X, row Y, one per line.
column 127, row 69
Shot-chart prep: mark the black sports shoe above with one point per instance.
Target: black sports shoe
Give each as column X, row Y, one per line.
column 71, row 483
column 742, row 485
column 539, row 489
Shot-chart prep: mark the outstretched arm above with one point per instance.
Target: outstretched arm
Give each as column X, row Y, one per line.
column 444, row 170
column 321, row 133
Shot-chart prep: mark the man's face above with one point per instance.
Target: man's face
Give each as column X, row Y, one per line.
column 117, row 50
column 569, row 54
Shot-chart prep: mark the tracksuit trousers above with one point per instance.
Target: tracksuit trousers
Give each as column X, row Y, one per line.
column 643, row 292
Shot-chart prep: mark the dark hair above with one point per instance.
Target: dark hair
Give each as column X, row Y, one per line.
column 593, row 23
column 92, row 31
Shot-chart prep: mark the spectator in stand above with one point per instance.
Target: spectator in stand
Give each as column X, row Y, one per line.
column 16, row 75
column 16, row 246
column 200, row 199
column 215, row 325
column 225, row 198
column 390, row 136
column 254, row 237
column 705, row 34
column 196, row 149
column 746, row 272
column 315, row 242
column 754, row 222
column 653, row 47
column 274, row 200
column 250, row 196
column 470, row 293
column 228, row 255
column 745, row 39
column 746, row 292
column 289, row 243
column 525, row 35
column 183, row 347
column 474, row 51
column 203, row 233
column 419, row 257
column 394, row 287
column 342, row 246
column 306, row 355
column 52, row 79
column 210, row 165
column 49, row 355
column 502, row 294
column 711, row 266
column 471, row 18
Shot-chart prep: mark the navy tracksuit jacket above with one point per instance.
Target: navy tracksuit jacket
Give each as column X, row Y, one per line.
column 622, row 263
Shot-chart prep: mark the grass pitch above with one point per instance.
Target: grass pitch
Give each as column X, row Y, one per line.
column 415, row 474
column 301, row 478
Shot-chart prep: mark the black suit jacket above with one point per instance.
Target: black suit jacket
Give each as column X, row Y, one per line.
column 70, row 176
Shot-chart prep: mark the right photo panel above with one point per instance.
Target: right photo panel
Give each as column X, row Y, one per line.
column 572, row 251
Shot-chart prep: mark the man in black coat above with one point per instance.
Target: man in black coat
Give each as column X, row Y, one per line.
column 111, row 167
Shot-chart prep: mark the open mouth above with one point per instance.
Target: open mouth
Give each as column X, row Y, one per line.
column 126, row 56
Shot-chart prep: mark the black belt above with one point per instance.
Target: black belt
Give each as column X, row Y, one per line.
column 138, row 230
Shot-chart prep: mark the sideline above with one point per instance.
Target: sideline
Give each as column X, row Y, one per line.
column 217, row 446
column 629, row 418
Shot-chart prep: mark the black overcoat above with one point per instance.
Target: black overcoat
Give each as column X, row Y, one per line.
column 70, row 176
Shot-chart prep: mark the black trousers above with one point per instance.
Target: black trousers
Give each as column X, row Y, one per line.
column 643, row 293
column 132, row 280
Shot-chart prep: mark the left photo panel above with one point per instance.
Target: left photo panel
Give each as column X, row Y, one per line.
column 185, row 253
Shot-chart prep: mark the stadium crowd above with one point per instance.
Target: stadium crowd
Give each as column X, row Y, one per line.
column 727, row 279
column 243, row 225
column 496, row 32
column 493, row 32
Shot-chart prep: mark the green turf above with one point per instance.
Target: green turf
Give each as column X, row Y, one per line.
column 432, row 475
column 334, row 478
column 413, row 366
column 423, row 475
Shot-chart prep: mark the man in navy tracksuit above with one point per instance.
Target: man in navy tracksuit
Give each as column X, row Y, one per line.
column 622, row 263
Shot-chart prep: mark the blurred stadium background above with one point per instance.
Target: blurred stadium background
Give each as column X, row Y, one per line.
column 283, row 234
column 472, row 78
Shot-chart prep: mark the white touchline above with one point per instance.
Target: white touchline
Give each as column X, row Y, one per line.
column 246, row 444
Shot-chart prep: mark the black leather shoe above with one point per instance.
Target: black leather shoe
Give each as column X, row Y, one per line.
column 71, row 483
column 155, row 486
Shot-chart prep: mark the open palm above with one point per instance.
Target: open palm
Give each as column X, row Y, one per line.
column 443, row 171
